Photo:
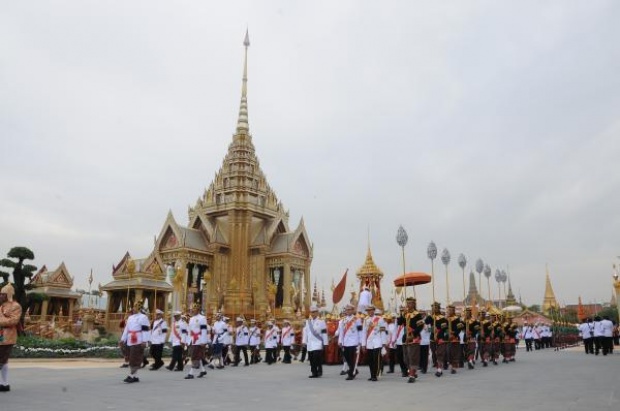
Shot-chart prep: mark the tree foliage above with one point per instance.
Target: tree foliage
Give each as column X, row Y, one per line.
column 21, row 272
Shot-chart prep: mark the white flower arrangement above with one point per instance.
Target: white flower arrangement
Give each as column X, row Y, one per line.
column 64, row 350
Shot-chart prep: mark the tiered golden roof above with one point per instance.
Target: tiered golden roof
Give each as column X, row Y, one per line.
column 371, row 275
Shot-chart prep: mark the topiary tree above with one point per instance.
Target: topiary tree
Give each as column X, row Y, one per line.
column 21, row 272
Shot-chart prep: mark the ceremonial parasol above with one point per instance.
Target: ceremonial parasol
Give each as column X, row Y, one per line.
column 413, row 278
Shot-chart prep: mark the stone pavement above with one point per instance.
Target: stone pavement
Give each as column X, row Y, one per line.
column 541, row 380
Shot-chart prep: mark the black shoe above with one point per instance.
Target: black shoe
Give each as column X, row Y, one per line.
column 411, row 380
column 169, row 368
column 453, row 371
column 470, row 366
column 129, row 379
column 404, row 374
column 484, row 364
column 5, row 388
column 145, row 363
column 372, row 379
column 313, row 376
column 178, row 369
column 189, row 377
column 136, row 379
column 343, row 373
column 202, row 374
column 438, row 374
column 124, row 365
column 219, row 367
column 152, row 368
column 246, row 365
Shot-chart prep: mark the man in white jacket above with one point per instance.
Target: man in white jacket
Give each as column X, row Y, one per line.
column 374, row 341
column 315, row 338
column 135, row 336
column 159, row 332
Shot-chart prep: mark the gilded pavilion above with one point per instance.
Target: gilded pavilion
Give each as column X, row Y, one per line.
column 59, row 302
column 238, row 254
column 370, row 276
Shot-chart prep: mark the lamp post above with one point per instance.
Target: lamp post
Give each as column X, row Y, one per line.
column 401, row 239
column 431, row 252
column 445, row 259
column 487, row 274
column 463, row 263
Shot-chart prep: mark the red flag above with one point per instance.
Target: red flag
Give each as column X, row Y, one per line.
column 338, row 292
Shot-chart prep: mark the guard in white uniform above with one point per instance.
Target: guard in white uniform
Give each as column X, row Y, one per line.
column 178, row 339
column 287, row 337
column 374, row 341
column 220, row 329
column 349, row 340
column 242, row 340
column 159, row 332
column 271, row 342
column 255, row 333
column 135, row 336
column 198, row 339
column 315, row 338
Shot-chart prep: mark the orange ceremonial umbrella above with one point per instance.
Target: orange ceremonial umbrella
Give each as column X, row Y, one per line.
column 413, row 278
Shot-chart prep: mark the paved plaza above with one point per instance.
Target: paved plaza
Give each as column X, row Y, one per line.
column 541, row 380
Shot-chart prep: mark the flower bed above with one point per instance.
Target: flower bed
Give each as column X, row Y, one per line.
column 36, row 347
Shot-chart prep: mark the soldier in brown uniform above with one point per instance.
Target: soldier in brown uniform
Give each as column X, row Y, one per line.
column 414, row 324
column 472, row 329
column 455, row 326
column 497, row 336
column 510, row 335
column 439, row 337
column 10, row 314
column 485, row 343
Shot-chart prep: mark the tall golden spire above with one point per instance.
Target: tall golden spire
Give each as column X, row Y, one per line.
column 549, row 301
column 242, row 122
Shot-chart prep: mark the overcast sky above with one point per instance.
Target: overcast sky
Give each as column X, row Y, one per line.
column 489, row 127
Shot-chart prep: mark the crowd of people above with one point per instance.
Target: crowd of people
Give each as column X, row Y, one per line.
column 599, row 335
column 413, row 341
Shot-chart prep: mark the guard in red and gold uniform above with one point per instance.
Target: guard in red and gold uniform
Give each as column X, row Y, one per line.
column 455, row 327
column 472, row 329
column 510, row 335
column 497, row 337
column 439, row 337
column 485, row 342
column 413, row 321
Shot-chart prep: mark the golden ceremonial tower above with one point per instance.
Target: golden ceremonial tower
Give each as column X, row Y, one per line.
column 549, row 301
column 237, row 254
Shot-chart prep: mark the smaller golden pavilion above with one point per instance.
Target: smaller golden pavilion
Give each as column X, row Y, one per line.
column 135, row 280
column 370, row 276
column 58, row 302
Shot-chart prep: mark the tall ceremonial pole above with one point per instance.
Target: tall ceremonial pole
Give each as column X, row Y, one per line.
column 401, row 239
column 445, row 259
column 431, row 252
column 462, row 263
column 487, row 274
